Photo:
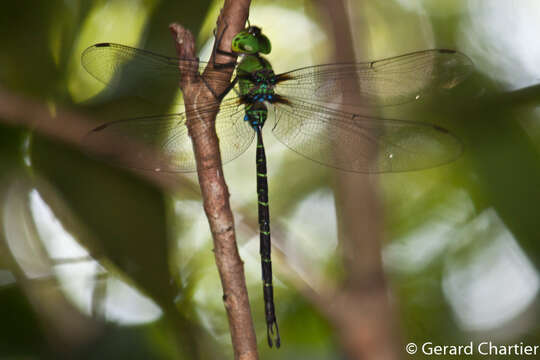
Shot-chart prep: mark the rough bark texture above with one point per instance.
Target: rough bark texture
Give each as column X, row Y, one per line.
column 213, row 187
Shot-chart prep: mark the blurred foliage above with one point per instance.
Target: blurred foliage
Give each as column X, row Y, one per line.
column 461, row 241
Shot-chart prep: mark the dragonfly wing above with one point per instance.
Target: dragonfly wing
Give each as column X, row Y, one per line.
column 363, row 144
column 130, row 71
column 162, row 142
column 391, row 81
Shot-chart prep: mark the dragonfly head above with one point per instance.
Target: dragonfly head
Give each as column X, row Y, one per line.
column 251, row 41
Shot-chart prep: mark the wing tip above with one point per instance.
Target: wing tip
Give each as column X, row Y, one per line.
column 441, row 129
column 105, row 44
column 85, row 56
column 466, row 58
column 447, row 51
column 99, row 128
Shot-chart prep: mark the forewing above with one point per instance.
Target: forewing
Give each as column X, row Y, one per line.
column 363, row 144
column 130, row 71
column 162, row 143
column 391, row 81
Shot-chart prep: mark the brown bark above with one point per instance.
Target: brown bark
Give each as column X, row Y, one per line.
column 213, row 187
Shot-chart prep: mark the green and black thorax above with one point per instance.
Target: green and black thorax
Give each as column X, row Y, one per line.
column 256, row 78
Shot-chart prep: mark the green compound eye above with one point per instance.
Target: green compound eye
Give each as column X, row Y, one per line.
column 264, row 44
column 251, row 41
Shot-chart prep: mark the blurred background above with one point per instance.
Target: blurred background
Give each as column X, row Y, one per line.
column 96, row 263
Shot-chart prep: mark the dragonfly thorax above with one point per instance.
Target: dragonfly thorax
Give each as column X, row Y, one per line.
column 256, row 79
column 261, row 86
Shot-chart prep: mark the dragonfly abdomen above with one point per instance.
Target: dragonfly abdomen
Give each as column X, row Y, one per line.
column 265, row 242
column 256, row 114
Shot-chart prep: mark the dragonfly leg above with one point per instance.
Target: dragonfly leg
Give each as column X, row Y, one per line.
column 229, row 87
column 217, row 50
column 216, row 65
column 209, row 87
column 224, row 92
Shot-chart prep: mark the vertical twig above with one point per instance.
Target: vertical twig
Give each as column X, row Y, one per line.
column 362, row 315
column 213, row 187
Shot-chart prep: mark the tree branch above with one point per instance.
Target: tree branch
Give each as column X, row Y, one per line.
column 213, row 187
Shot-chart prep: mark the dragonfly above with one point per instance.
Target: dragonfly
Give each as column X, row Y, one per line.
column 302, row 105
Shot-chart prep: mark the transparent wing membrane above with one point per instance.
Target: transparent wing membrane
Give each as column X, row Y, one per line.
column 129, row 71
column 334, row 138
column 391, row 81
column 165, row 139
column 359, row 143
